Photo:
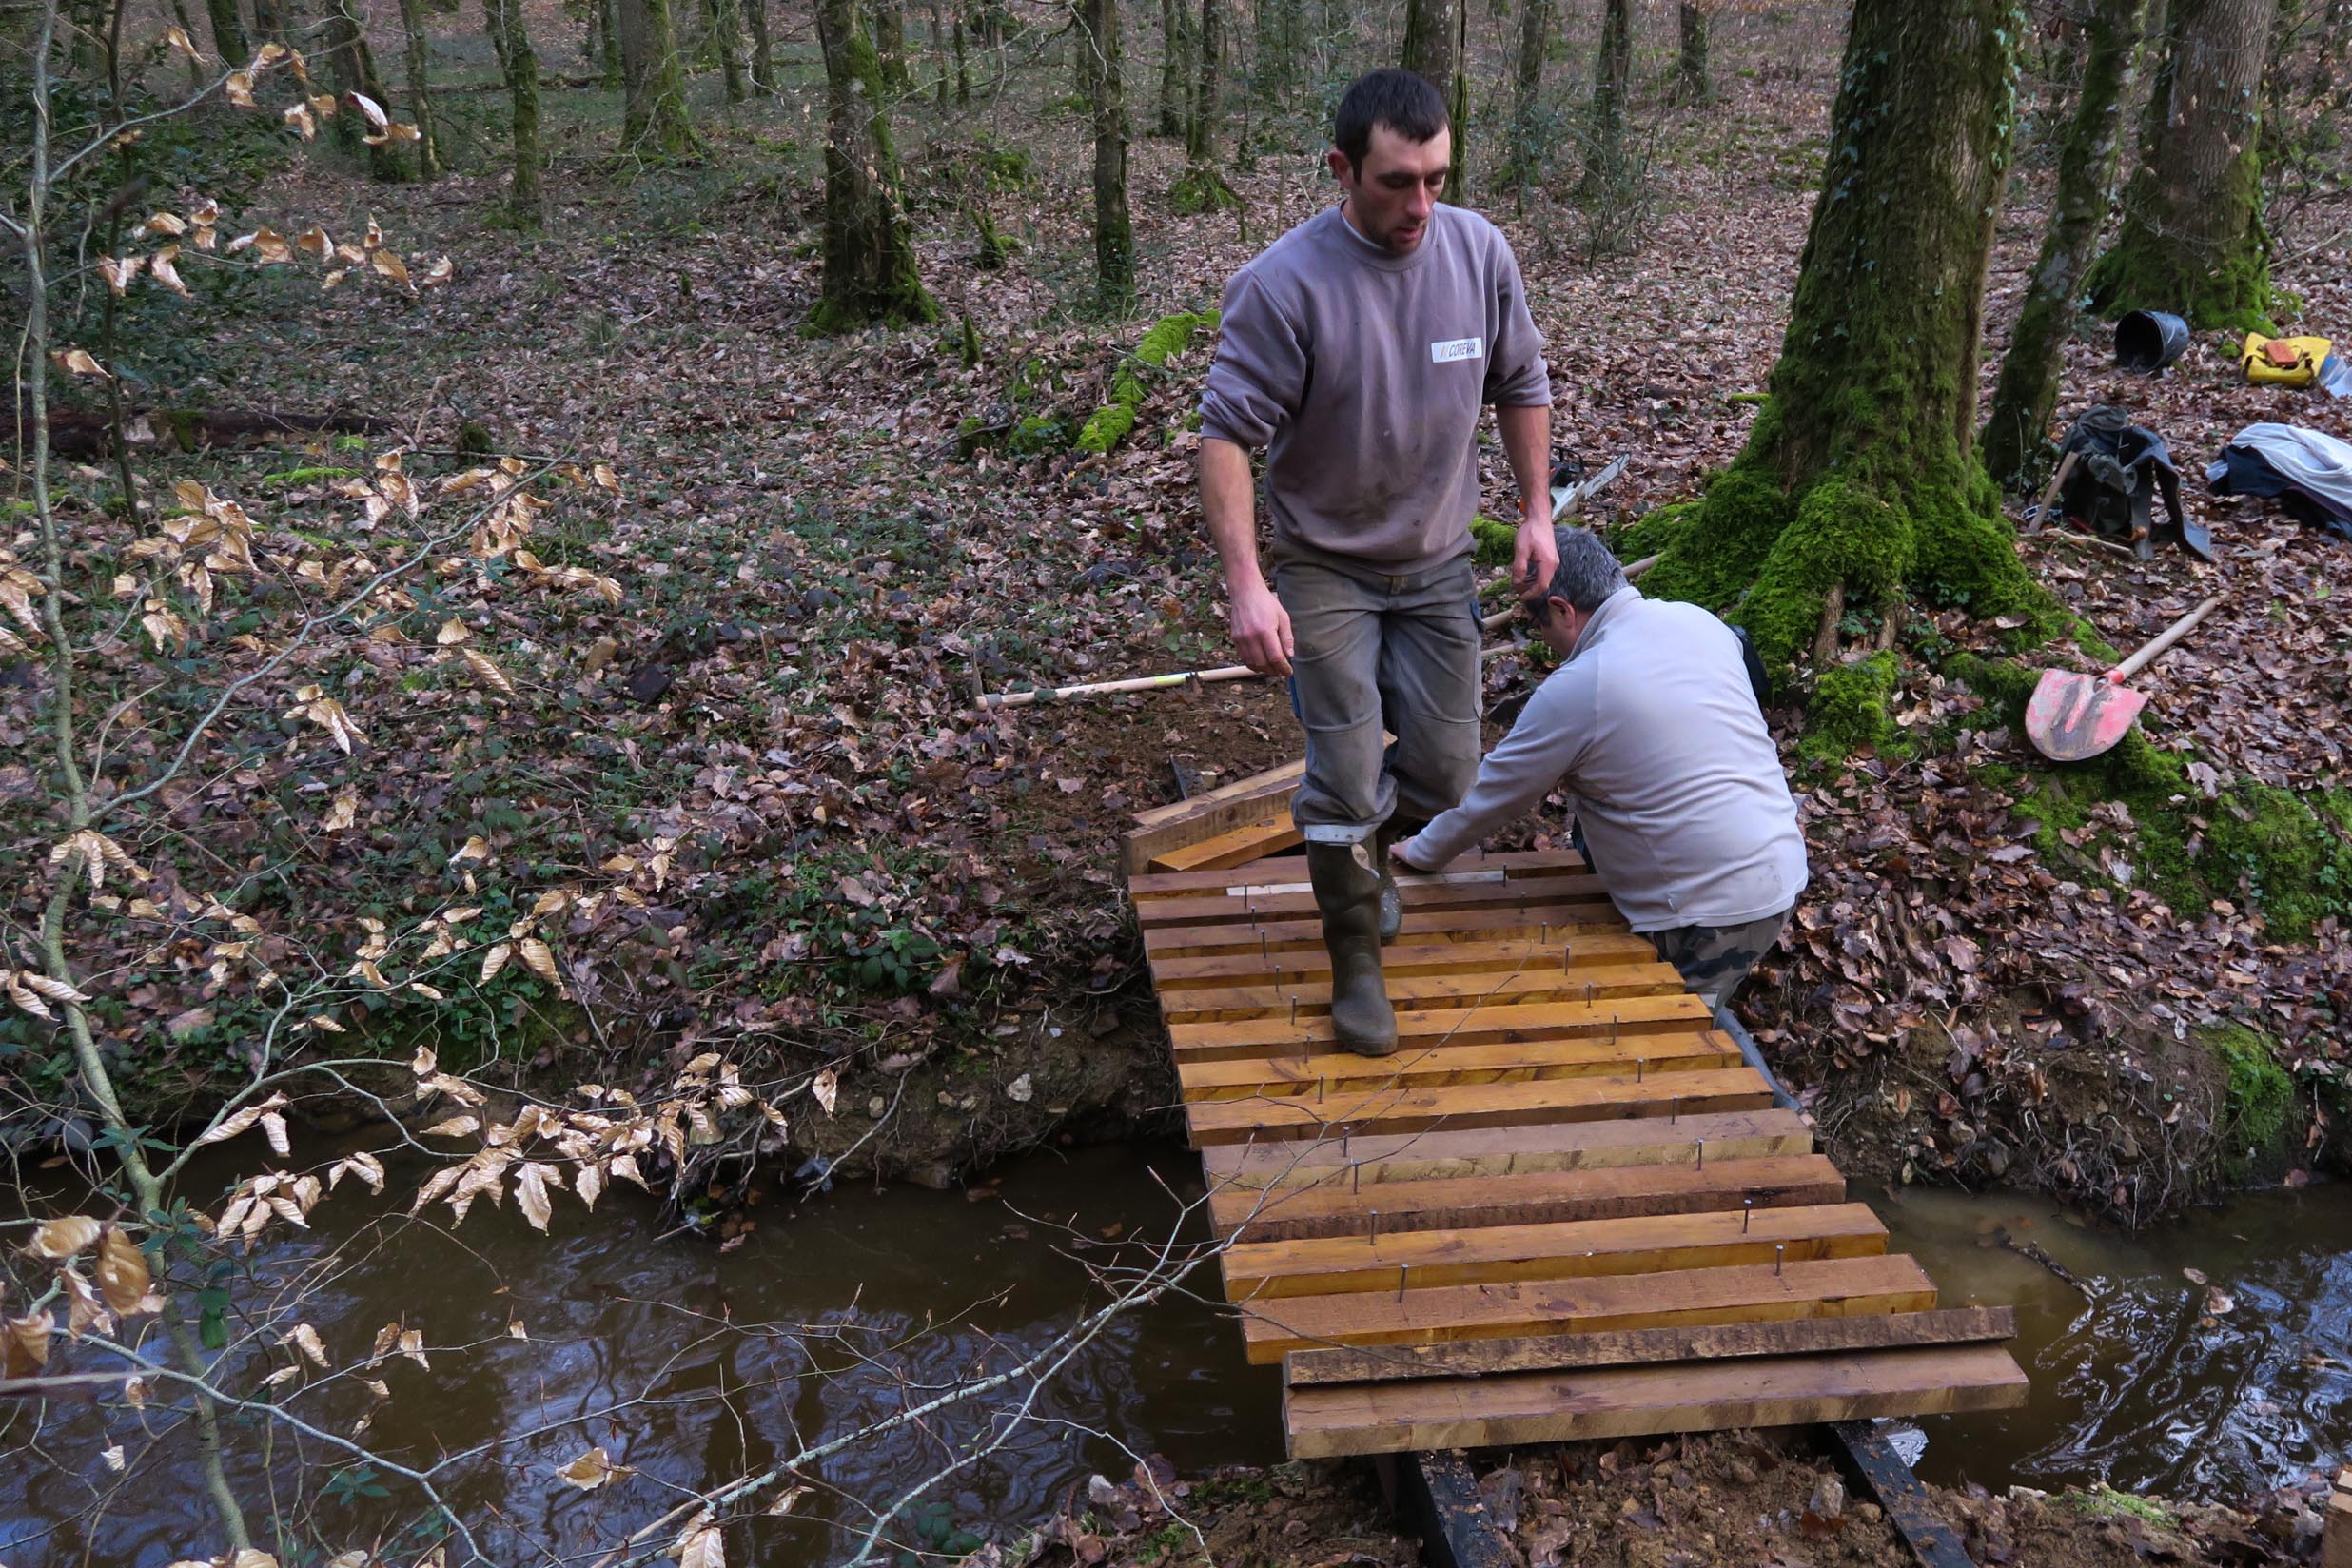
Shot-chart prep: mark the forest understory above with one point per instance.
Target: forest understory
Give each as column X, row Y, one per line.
column 2121, row 983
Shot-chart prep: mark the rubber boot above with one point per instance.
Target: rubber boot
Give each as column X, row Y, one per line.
column 1347, row 893
column 1392, row 901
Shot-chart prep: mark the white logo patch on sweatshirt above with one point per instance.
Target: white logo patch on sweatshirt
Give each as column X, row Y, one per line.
column 1458, row 348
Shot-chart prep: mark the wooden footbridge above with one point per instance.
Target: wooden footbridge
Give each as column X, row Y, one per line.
column 1567, row 1208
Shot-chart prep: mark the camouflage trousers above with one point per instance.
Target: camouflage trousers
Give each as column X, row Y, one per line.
column 1712, row 960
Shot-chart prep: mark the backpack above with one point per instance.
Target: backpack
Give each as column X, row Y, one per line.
column 2119, row 468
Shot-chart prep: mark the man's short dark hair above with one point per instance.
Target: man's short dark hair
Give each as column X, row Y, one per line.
column 1587, row 573
column 1402, row 100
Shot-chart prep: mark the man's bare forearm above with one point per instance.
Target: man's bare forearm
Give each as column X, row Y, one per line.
column 1527, row 442
column 1228, row 501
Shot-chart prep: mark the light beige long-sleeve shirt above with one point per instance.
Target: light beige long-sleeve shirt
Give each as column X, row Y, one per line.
column 1651, row 725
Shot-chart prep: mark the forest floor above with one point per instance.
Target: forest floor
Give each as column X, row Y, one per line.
column 820, row 560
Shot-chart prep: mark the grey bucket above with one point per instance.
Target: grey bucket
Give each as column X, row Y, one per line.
column 2146, row 340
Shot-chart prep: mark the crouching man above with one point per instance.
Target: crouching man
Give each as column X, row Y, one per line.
column 1652, row 727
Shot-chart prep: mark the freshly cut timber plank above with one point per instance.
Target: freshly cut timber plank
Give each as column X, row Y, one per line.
column 1273, row 996
column 1645, row 1401
column 1234, row 847
column 1619, row 1018
column 1831, row 1288
column 1648, row 1244
column 1175, row 978
column 1429, row 898
column 1425, row 1066
column 1662, row 1095
column 1646, row 1346
column 1251, row 800
column 1514, row 863
column 1279, row 1161
column 1342, row 1206
column 1561, row 918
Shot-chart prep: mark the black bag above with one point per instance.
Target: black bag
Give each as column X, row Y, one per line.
column 2119, row 468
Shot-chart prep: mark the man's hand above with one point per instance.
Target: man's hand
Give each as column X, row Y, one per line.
column 1535, row 554
column 1262, row 630
column 1396, row 852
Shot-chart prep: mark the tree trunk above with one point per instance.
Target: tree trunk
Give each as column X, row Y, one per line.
column 269, row 20
column 2192, row 240
column 1202, row 131
column 494, row 29
column 1535, row 44
column 1114, row 237
column 353, row 67
column 1429, row 35
column 1613, row 70
column 420, row 54
column 763, row 48
column 523, row 202
column 1860, row 475
column 727, row 30
column 870, row 272
column 939, row 50
column 2028, row 386
column 228, row 34
column 890, row 41
column 1175, row 50
column 963, row 75
column 653, row 83
column 1692, row 83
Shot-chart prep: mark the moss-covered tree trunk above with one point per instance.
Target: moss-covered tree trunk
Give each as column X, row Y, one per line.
column 608, row 68
column 1693, row 82
column 1201, row 131
column 228, row 34
column 1435, row 45
column 352, row 63
column 2191, row 240
column 963, row 72
column 1535, row 44
column 1613, row 74
column 524, row 203
column 494, row 29
column 890, row 41
column 763, row 47
column 2027, row 390
column 1175, row 51
column 653, row 83
column 269, row 20
column 727, row 37
column 420, row 56
column 1860, row 475
column 870, row 272
column 1114, row 235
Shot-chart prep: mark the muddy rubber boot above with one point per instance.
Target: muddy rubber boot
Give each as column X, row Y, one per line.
column 1347, row 893
column 1392, row 901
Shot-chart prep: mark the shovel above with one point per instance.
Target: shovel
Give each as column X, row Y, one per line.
column 2073, row 717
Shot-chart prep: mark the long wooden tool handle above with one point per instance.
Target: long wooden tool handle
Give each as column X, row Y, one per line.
column 1097, row 688
column 2165, row 639
column 2041, row 513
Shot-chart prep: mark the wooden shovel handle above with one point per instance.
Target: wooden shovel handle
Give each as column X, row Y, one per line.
column 2165, row 639
column 2041, row 514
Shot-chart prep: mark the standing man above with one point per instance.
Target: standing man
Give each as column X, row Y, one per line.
column 1359, row 349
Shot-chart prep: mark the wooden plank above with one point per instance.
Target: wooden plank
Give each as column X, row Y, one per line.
column 1542, row 922
column 1303, row 966
column 1646, row 1244
column 1644, row 1402
column 1235, row 847
column 1514, row 863
column 1274, row 998
column 1643, row 1346
column 1427, row 898
column 1831, row 1288
column 1425, row 1066
column 1485, row 1154
column 1342, row 1206
column 1625, row 1019
column 1660, row 1095
column 1251, row 800
column 1442, row 1500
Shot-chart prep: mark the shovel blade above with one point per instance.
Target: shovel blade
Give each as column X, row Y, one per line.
column 2071, row 717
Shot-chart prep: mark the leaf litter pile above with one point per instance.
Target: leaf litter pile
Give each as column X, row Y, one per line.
column 779, row 831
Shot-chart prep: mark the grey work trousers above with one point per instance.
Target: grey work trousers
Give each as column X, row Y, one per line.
column 1376, row 650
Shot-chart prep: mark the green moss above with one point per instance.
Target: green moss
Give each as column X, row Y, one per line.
column 1200, row 188
column 2258, row 1095
column 1167, row 336
column 1037, row 434
column 2103, row 1501
column 1494, row 541
column 1849, row 712
column 2291, row 852
column 1108, row 428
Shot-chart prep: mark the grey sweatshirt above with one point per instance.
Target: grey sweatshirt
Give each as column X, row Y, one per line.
column 1651, row 726
column 1362, row 372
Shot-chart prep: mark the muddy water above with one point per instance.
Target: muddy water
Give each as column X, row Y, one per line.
column 696, row 1366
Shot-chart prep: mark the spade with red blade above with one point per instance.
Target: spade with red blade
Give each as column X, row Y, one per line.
column 2073, row 717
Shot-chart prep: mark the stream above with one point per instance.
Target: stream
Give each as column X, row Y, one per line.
column 693, row 1365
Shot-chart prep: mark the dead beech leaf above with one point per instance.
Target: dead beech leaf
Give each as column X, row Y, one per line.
column 593, row 1469
column 457, row 1127
column 826, row 1088
column 121, row 1272
column 24, row 1344
column 701, row 1545
column 64, row 1237
column 77, row 361
column 494, row 961
column 530, row 1194
column 487, row 672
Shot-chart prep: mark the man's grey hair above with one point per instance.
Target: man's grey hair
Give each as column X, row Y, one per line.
column 1587, row 573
